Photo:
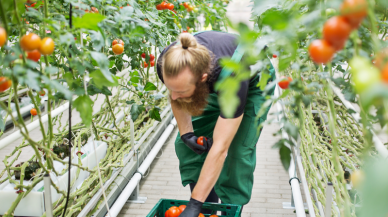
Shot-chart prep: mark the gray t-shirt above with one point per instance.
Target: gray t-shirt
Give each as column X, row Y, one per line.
column 221, row 44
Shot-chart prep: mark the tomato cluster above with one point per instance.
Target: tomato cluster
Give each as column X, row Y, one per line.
column 175, row 211
column 189, row 7
column 152, row 60
column 165, row 6
column 117, row 46
column 35, row 47
column 337, row 29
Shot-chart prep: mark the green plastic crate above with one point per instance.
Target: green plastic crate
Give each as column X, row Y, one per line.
column 163, row 205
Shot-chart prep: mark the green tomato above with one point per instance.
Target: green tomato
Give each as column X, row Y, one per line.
column 364, row 74
column 179, row 25
column 330, row 12
column 191, row 30
column 88, row 38
column 195, row 10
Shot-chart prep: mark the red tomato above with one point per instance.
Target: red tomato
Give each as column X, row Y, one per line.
column 182, row 207
column 185, row 4
column 47, row 46
column 30, row 42
column 34, row 55
column 170, row 6
column 152, row 57
column 200, row 140
column 143, row 55
column 163, row 5
column 213, row 216
column 159, row 7
column 321, row 51
column 354, row 11
column 174, row 212
column 384, row 73
column 336, row 31
column 274, row 55
column 201, row 215
column 145, row 65
column 114, row 42
column 152, row 63
column 3, row 36
column 285, row 83
column 42, row 93
column 5, row 83
column 33, row 112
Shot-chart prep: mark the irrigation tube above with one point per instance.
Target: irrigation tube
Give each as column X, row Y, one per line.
column 295, row 188
column 126, row 193
column 17, row 134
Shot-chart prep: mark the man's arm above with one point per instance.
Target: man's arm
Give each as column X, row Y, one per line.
column 224, row 133
column 183, row 120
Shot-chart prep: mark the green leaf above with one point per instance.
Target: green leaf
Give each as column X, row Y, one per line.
column 136, row 110
column 263, row 80
column 97, row 40
column 285, row 156
column 158, row 96
column 83, row 104
column 291, row 129
column 130, row 102
column 149, row 86
column 100, row 80
column 88, row 21
column 276, row 19
column 103, row 63
column 66, row 39
column 154, row 114
column 51, row 70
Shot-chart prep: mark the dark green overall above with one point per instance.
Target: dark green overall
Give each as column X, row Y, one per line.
column 235, row 183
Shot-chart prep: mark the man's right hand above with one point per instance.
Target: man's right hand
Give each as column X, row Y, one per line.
column 191, row 141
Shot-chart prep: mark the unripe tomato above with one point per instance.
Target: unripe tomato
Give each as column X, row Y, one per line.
column 336, row 30
column 170, row 6
column 46, row 46
column 33, row 112
column 163, row 5
column 384, row 73
column 30, row 42
column 152, row 63
column 182, row 207
column 118, row 49
column 3, row 36
column 357, row 178
column 285, row 82
column 364, row 75
column 145, row 65
column 321, row 51
column 195, row 10
column 330, row 11
column 5, row 83
column 186, row 5
column 152, row 57
column 42, row 93
column 143, row 55
column 354, row 11
column 179, row 25
column 34, row 55
column 191, row 30
column 200, row 140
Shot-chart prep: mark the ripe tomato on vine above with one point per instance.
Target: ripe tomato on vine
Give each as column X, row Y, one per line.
column 336, row 31
column 47, row 46
column 34, row 55
column 285, row 82
column 354, row 11
column 30, row 42
column 118, row 49
column 321, row 51
column 5, row 83
column 3, row 36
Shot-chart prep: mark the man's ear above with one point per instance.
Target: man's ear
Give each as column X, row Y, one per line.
column 204, row 77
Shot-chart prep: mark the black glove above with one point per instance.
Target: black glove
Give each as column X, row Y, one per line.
column 193, row 208
column 191, row 141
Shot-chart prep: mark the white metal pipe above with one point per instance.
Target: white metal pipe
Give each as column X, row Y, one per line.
column 329, row 199
column 296, row 194
column 4, row 98
column 17, row 134
column 126, row 193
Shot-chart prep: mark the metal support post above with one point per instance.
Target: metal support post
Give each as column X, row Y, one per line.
column 135, row 198
column 329, row 199
column 47, row 195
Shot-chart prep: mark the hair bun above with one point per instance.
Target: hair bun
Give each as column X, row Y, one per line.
column 187, row 40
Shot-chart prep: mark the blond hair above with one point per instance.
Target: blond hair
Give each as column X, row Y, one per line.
column 187, row 53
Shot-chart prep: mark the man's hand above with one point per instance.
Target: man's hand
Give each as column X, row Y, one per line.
column 191, row 141
column 193, row 208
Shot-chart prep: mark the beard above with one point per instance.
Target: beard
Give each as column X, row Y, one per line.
column 195, row 104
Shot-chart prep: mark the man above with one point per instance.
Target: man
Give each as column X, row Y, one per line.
column 223, row 167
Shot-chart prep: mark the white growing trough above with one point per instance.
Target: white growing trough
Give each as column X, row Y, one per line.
column 33, row 203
